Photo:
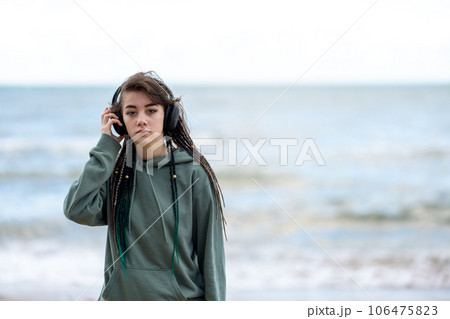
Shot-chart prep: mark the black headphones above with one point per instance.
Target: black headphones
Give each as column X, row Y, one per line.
column 171, row 116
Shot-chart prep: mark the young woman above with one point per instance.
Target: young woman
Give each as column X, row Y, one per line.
column 159, row 197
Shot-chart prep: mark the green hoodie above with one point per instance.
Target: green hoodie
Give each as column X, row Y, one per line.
column 200, row 272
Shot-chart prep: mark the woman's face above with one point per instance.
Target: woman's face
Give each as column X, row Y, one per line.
column 143, row 119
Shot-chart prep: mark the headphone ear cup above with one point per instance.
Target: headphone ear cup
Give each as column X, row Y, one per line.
column 171, row 118
column 121, row 130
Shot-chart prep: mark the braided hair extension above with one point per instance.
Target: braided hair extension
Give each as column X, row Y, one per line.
column 121, row 190
column 176, row 211
column 182, row 139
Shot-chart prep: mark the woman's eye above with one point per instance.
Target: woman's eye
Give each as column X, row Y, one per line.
column 151, row 111
column 130, row 113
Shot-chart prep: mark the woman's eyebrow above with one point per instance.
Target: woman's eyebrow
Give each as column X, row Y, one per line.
column 134, row 107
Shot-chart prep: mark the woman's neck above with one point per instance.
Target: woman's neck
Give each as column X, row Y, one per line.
column 152, row 150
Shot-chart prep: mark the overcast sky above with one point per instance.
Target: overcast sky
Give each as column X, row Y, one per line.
column 276, row 42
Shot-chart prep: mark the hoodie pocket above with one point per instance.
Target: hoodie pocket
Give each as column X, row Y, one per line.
column 142, row 284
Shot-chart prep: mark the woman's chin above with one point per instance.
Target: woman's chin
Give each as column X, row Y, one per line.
column 138, row 140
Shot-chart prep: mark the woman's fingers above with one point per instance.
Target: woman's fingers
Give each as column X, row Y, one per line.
column 108, row 114
column 114, row 121
column 107, row 111
column 105, row 118
column 109, row 118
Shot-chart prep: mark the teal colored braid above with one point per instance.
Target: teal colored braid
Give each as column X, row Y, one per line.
column 121, row 190
column 173, row 184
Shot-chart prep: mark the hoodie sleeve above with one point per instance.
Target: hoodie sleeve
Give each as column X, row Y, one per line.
column 84, row 202
column 209, row 242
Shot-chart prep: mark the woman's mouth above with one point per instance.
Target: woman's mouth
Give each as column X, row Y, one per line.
column 143, row 131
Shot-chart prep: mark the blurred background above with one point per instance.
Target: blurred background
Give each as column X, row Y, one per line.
column 367, row 81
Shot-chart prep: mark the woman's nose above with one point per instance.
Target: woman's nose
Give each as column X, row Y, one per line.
column 141, row 120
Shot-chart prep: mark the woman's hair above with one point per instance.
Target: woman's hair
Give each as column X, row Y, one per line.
column 122, row 178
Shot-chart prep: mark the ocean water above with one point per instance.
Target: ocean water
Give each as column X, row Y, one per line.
column 332, row 193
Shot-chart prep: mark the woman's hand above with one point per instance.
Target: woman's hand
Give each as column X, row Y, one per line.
column 108, row 119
